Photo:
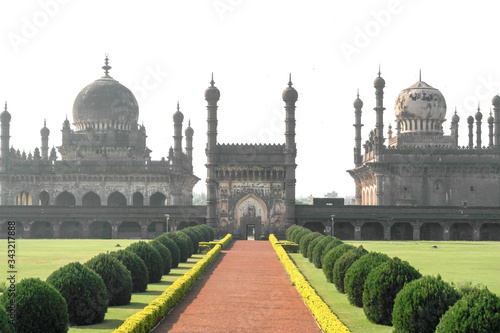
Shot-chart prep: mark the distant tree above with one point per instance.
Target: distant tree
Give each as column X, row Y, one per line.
column 199, row 199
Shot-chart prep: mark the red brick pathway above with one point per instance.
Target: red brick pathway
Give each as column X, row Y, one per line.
column 245, row 290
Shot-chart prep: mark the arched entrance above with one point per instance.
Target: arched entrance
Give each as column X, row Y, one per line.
column 117, row 199
column 91, row 199
column 401, row 231
column 157, row 199
column 71, row 229
column 490, row 232
column 42, row 230
column 129, row 230
column 65, row 199
column 138, row 199
column 343, row 230
column 100, row 230
column 372, row 231
column 431, row 231
column 461, row 231
column 251, row 216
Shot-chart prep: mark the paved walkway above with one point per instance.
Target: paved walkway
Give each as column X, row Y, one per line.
column 245, row 290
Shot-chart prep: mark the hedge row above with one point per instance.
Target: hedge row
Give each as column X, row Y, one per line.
column 326, row 319
column 144, row 320
column 392, row 292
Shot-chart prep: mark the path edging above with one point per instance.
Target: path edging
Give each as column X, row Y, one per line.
column 326, row 319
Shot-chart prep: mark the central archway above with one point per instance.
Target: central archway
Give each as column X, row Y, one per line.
column 251, row 216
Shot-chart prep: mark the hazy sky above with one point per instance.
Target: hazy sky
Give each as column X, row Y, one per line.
column 165, row 51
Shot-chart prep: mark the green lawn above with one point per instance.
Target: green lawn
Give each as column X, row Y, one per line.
column 40, row 257
column 477, row 262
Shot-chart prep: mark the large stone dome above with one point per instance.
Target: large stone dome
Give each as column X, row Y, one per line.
column 103, row 104
column 420, row 109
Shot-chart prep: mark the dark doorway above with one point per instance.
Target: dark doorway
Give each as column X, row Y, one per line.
column 372, row 231
column 343, row 230
column 431, row 231
column 490, row 232
column 250, row 225
column 461, row 231
column 250, row 234
column 401, row 231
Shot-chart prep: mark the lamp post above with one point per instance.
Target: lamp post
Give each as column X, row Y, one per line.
column 168, row 217
column 333, row 219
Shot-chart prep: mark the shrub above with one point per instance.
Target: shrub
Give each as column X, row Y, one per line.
column 381, row 287
column 198, row 233
column 305, row 240
column 205, row 232
column 39, row 307
column 188, row 240
column 194, row 238
column 84, row 291
column 290, row 230
column 478, row 311
column 355, row 276
column 116, row 277
column 343, row 264
column 152, row 258
column 420, row 304
column 175, row 252
column 298, row 236
column 138, row 270
column 289, row 247
column 318, row 250
column 5, row 325
column 336, row 242
column 165, row 255
column 181, row 243
column 210, row 230
column 295, row 232
column 467, row 287
column 312, row 245
column 331, row 257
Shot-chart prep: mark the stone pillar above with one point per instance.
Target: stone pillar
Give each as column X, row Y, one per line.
column 144, row 231
column 476, row 233
column 446, row 232
column 357, row 230
column 416, row 230
column 85, row 229
column 114, row 231
column 27, row 230
column 56, row 230
column 387, row 231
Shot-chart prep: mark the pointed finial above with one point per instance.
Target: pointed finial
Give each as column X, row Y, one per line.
column 212, row 82
column 455, row 109
column 378, row 70
column 420, row 75
column 106, row 67
column 358, row 94
column 290, row 80
column 178, row 109
column 189, row 122
column 5, row 105
column 45, row 123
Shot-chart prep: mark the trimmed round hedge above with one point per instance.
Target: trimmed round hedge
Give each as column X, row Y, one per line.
column 343, row 264
column 331, row 257
column 289, row 232
column 356, row 275
column 39, row 307
column 311, row 246
column 304, row 242
column 194, row 238
column 116, row 277
column 298, row 236
column 165, row 255
column 188, row 240
column 296, row 232
column 381, row 287
column 175, row 252
column 421, row 303
column 336, row 242
column 138, row 270
column 318, row 250
column 5, row 325
column 205, row 231
column 477, row 311
column 181, row 243
column 152, row 258
column 84, row 291
column 210, row 230
column 199, row 234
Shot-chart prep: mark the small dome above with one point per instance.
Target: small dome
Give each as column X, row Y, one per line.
column 212, row 93
column 478, row 115
column 178, row 116
column 491, row 119
column 496, row 101
column 455, row 118
column 189, row 131
column 379, row 82
column 290, row 94
column 470, row 120
column 358, row 104
column 44, row 131
column 5, row 115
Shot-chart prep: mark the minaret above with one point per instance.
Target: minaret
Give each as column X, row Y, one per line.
column 4, row 138
column 189, row 144
column 479, row 117
column 496, row 111
column 66, row 133
column 470, row 121
column 290, row 96
column 490, row 130
column 379, row 85
column 44, row 132
column 178, row 119
column 212, row 95
column 454, row 129
column 358, row 104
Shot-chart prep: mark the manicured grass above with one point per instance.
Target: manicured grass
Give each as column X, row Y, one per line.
column 40, row 257
column 454, row 261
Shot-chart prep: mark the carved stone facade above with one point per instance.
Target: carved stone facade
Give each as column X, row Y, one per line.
column 105, row 160
column 420, row 165
column 250, row 187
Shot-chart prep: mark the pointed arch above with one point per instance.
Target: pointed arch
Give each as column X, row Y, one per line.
column 246, row 203
column 91, row 199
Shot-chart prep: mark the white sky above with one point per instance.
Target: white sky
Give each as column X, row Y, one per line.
column 51, row 49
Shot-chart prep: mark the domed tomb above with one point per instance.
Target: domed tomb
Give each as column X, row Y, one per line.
column 420, row 109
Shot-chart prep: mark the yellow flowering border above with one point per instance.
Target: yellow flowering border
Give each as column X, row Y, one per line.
column 144, row 320
column 327, row 320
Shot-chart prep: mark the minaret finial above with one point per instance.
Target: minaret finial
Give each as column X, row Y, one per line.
column 478, row 108
column 178, row 109
column 379, row 70
column 45, row 123
column 5, row 105
column 420, row 75
column 290, row 80
column 358, row 94
column 189, row 122
column 455, row 109
column 106, row 66
column 212, row 82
